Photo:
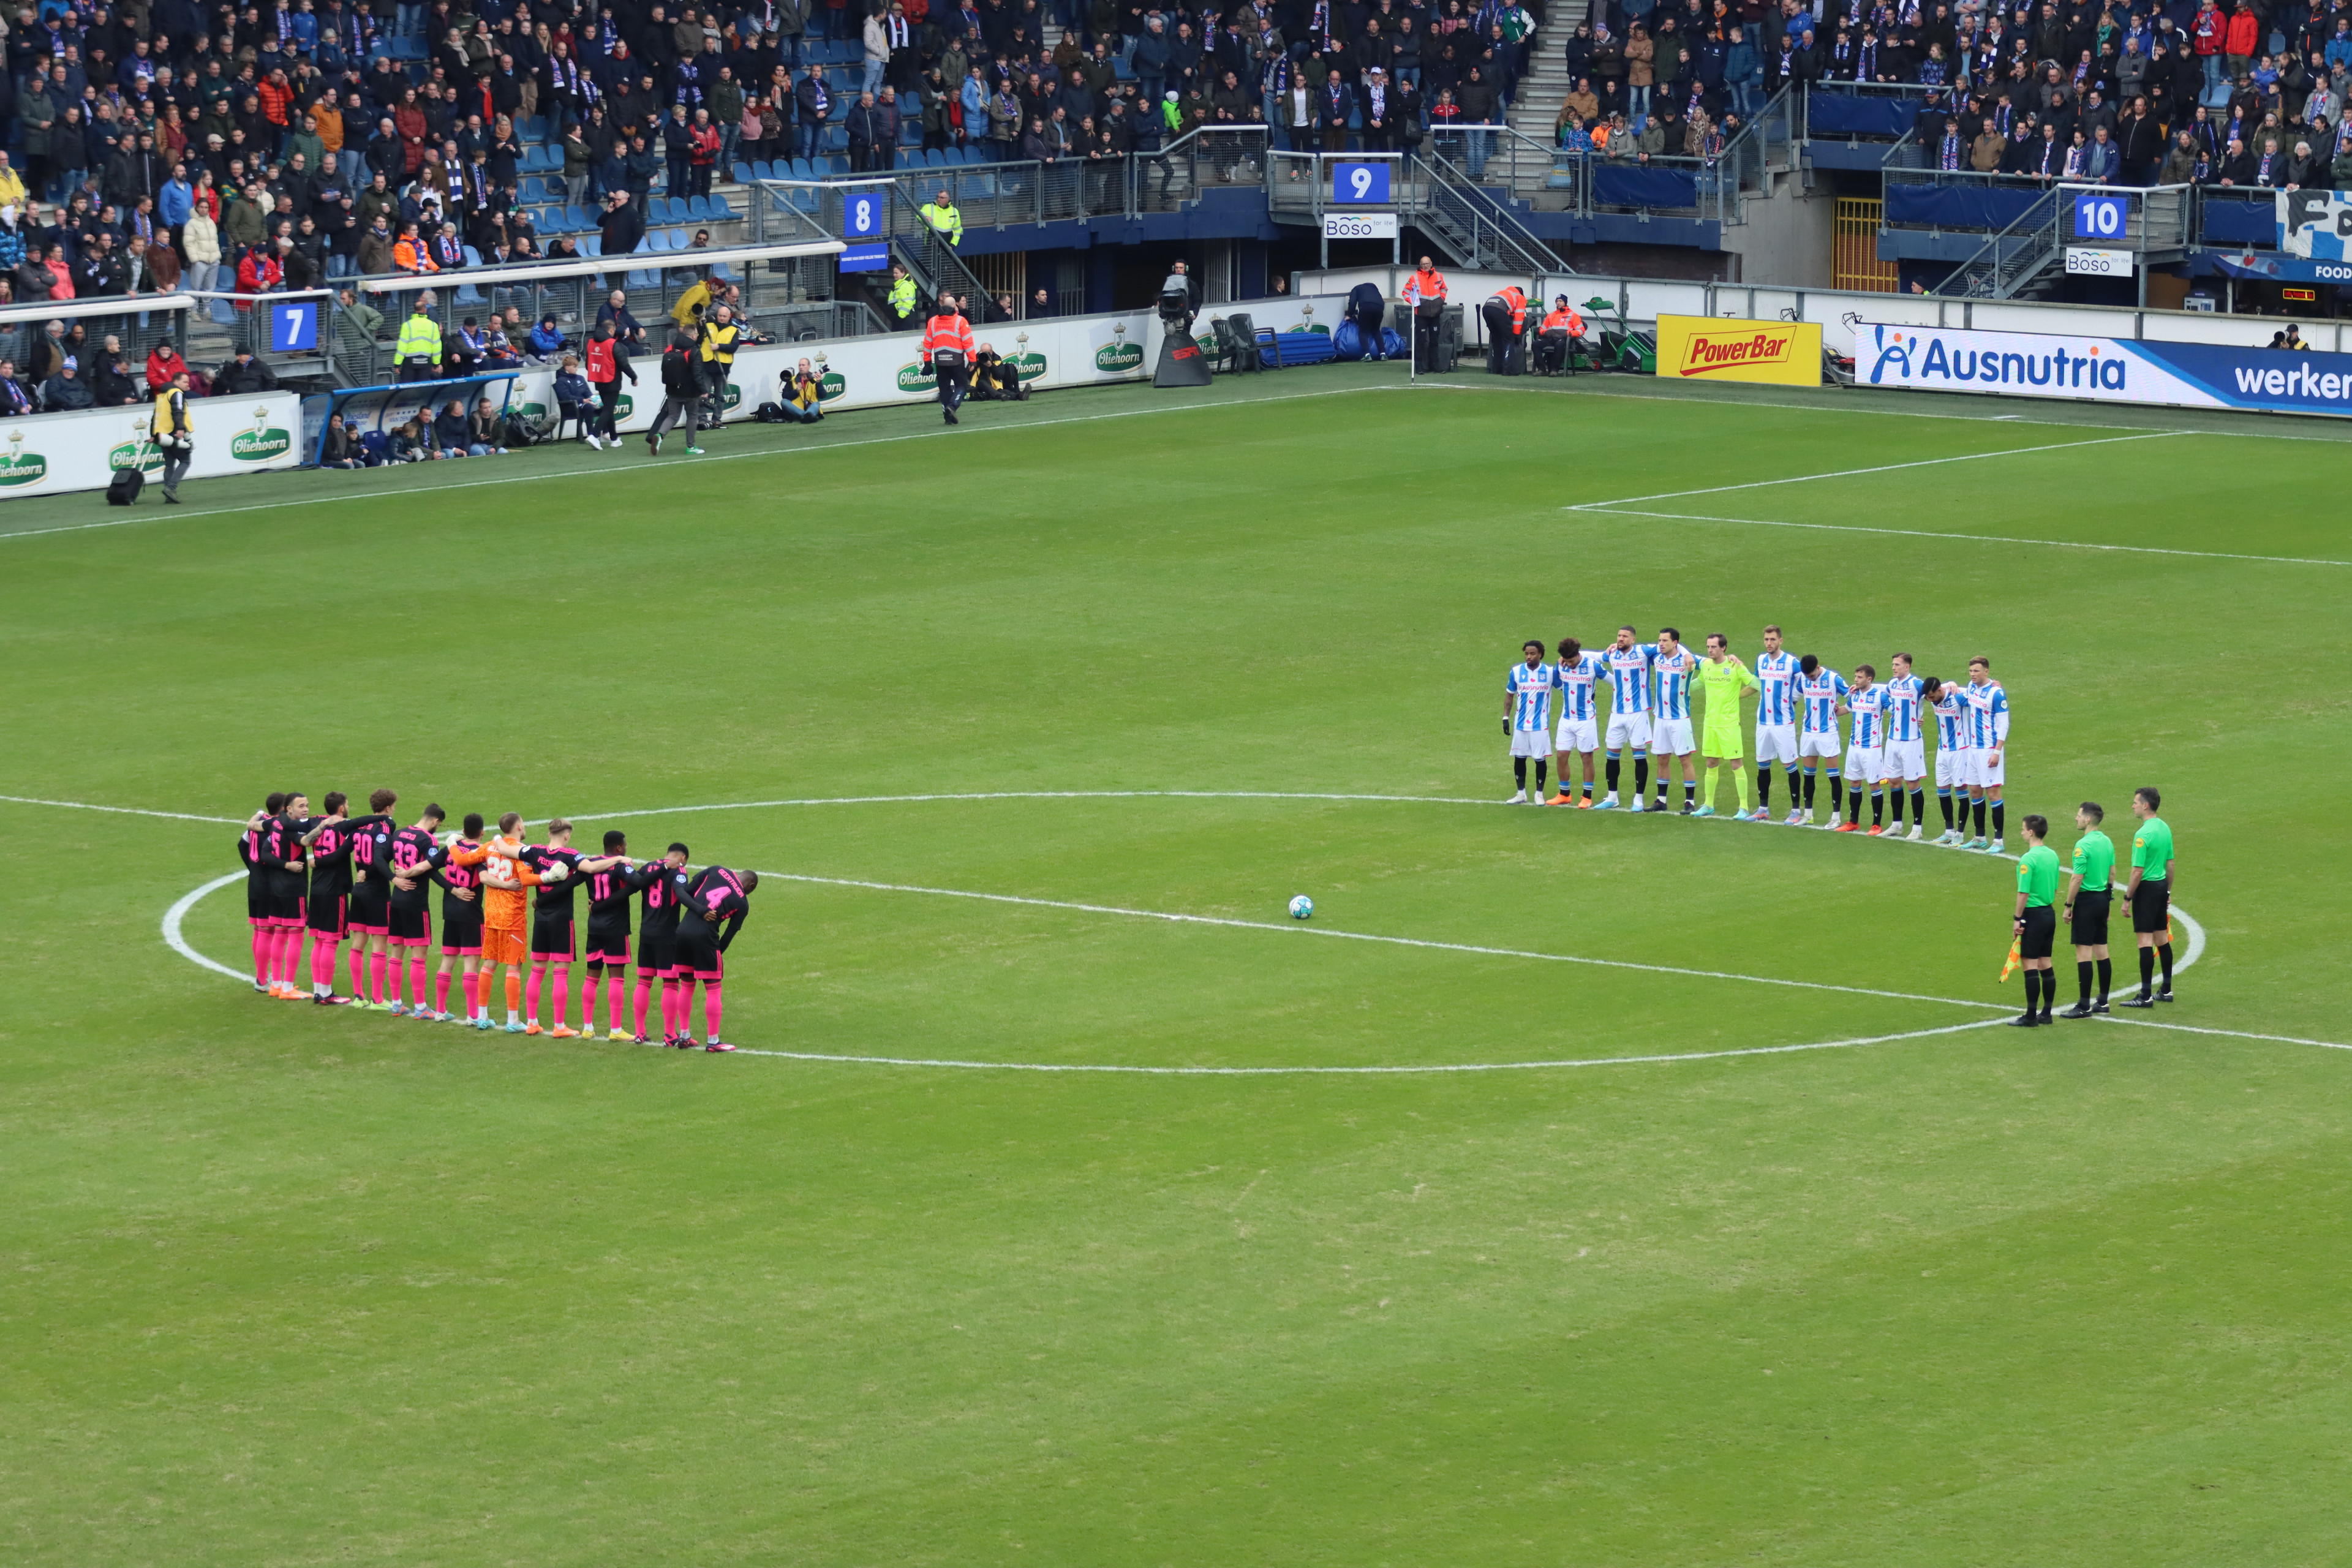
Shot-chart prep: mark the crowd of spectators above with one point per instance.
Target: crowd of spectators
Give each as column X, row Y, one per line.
column 2136, row 92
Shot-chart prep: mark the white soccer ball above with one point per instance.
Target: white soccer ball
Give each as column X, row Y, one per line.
column 1301, row 907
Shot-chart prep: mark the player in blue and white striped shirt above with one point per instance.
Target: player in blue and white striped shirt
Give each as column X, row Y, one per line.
column 1819, row 690
column 1627, row 663
column 1865, row 757
column 1580, row 714
column 1526, row 716
column 1987, row 705
column 1906, row 751
column 1776, row 720
column 1671, row 671
column 1955, row 754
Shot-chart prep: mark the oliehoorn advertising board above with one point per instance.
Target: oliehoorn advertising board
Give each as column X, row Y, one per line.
column 47, row 454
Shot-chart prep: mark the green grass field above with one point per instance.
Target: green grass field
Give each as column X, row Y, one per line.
column 291, row 1285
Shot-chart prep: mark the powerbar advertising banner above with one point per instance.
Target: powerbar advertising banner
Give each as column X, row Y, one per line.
column 1713, row 348
column 45, row 454
column 2102, row 370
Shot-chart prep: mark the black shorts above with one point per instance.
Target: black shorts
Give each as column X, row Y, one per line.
column 2090, row 922
column 286, row 908
column 654, row 951
column 328, row 917
column 552, row 939
column 256, row 901
column 461, row 936
column 2152, row 906
column 2041, row 930
column 608, row 945
column 370, row 908
column 411, row 928
column 695, row 955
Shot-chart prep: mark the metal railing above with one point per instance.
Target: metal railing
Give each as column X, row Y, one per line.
column 2010, row 259
column 138, row 323
column 783, row 291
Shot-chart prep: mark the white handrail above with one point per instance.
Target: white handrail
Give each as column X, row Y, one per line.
column 589, row 266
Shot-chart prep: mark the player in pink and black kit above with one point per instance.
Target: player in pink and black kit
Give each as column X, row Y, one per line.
column 372, row 902
column 552, row 926
column 412, row 858
column 461, row 926
column 662, row 884
column 716, row 896
column 609, row 892
column 279, row 851
column 256, row 892
column 326, row 912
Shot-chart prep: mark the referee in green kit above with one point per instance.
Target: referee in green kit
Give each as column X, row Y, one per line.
column 2090, row 889
column 2149, row 893
column 2037, row 922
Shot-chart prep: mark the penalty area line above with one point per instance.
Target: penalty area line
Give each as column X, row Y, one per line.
column 1879, row 469
column 1614, row 509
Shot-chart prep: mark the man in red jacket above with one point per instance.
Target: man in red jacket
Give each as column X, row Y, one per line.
column 2244, row 39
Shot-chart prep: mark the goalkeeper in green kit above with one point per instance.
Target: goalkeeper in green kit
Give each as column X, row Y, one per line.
column 1722, row 679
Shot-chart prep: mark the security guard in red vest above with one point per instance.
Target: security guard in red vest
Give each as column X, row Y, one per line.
column 947, row 349
column 1424, row 296
column 1558, row 337
column 1505, row 315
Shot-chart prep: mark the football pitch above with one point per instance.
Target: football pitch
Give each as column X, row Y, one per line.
column 1573, row 1188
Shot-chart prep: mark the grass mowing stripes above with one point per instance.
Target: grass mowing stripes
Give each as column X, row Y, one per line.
column 293, row 1287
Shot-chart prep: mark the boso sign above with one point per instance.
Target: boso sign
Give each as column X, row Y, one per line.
column 2102, row 370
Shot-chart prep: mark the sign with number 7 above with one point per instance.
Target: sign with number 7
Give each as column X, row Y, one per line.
column 293, row 328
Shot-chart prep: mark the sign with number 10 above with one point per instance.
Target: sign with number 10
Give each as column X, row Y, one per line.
column 1361, row 182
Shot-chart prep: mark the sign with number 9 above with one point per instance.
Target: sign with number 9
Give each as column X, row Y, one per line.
column 1360, row 184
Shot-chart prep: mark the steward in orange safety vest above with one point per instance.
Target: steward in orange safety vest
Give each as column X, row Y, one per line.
column 1557, row 336
column 947, row 349
column 1424, row 296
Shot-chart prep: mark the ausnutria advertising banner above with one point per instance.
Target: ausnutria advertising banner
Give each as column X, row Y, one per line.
column 2103, row 369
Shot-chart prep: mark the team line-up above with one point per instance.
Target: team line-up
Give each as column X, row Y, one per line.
column 1801, row 706
column 367, row 878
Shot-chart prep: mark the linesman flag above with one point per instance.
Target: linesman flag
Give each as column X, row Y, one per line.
column 2009, row 964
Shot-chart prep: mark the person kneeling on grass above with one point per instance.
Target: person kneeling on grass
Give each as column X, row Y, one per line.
column 804, row 394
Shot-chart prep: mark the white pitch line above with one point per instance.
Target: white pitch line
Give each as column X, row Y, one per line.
column 594, row 472
column 1880, row 468
column 1028, row 795
column 2232, row 1034
column 2196, row 947
column 176, row 917
column 121, row 810
column 1370, row 1071
column 1611, row 509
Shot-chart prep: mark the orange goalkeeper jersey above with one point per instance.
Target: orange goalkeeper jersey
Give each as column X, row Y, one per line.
column 502, row 907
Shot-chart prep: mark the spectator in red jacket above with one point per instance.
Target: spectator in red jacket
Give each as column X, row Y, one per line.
column 2244, row 39
column 163, row 362
column 258, row 273
column 702, row 142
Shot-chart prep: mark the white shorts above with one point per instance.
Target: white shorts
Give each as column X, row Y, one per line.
column 1628, row 730
column 1579, row 735
column 1865, row 764
column 1986, row 770
column 1953, row 767
column 1906, row 759
column 1819, row 743
column 1670, row 738
column 1531, row 743
column 1776, row 742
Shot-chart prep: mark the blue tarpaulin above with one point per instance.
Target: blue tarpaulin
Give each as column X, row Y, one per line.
column 1622, row 187
column 1958, row 206
column 1843, row 114
column 2231, row 222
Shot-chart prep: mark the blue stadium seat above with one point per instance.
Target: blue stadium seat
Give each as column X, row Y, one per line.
column 800, row 169
column 706, row 209
column 592, row 245
column 836, row 165
column 576, row 218
column 744, row 173
column 656, row 239
column 534, row 128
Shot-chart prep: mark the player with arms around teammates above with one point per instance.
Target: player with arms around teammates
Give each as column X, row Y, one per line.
column 1579, row 718
column 1776, row 722
column 1527, row 717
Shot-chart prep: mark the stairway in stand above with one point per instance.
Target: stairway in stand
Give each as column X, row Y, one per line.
column 1541, row 91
